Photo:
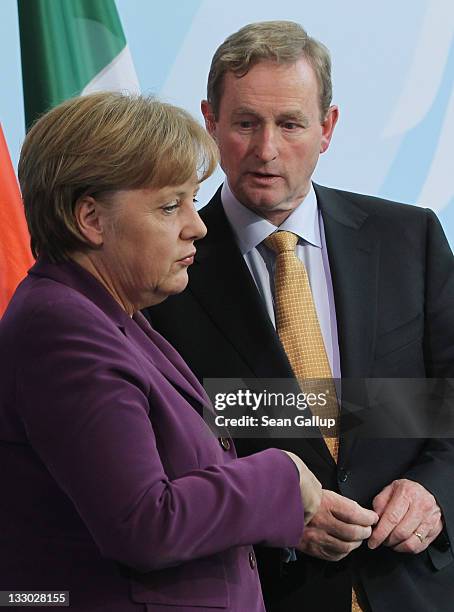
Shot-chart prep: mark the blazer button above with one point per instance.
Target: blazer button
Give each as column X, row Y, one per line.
column 342, row 475
column 252, row 561
column 225, row 443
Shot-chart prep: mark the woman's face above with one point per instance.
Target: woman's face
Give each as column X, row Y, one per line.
column 148, row 243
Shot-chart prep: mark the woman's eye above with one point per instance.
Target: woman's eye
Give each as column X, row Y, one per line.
column 170, row 208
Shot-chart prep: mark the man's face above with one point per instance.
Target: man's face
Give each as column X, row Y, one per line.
column 270, row 135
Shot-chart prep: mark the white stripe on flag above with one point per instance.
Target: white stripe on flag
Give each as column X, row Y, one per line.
column 119, row 75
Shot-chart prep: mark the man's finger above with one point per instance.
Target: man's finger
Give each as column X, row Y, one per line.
column 382, row 499
column 421, row 538
column 347, row 532
column 318, row 543
column 392, row 515
column 338, row 550
column 409, row 523
column 352, row 513
column 415, row 544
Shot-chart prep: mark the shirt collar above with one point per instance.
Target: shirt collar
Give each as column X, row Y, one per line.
column 250, row 229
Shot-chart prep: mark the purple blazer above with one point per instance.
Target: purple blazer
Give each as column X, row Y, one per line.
column 112, row 485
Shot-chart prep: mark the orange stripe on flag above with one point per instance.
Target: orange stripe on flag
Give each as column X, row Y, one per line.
column 15, row 254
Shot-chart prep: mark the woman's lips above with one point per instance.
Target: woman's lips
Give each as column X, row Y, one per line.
column 188, row 260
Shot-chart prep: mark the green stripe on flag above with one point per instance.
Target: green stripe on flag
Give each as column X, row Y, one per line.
column 64, row 44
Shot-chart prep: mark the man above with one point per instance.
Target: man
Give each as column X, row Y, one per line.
column 381, row 279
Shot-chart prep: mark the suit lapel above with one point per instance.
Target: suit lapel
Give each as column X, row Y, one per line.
column 353, row 251
column 222, row 284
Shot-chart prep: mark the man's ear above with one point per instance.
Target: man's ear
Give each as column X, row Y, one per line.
column 89, row 220
column 208, row 115
column 328, row 126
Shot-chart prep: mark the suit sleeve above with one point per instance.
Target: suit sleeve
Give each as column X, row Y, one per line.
column 435, row 467
column 84, row 404
column 439, row 308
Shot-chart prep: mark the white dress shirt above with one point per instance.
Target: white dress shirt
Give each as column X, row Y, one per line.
column 306, row 222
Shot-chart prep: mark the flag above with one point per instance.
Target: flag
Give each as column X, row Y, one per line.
column 15, row 254
column 70, row 48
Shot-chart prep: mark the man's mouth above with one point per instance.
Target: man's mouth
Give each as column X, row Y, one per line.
column 264, row 177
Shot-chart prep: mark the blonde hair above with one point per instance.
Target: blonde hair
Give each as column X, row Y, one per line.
column 102, row 143
column 283, row 42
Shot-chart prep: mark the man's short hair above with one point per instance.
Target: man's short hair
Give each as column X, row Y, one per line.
column 283, row 42
column 99, row 144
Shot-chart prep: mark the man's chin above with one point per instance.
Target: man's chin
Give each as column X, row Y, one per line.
column 266, row 203
column 260, row 199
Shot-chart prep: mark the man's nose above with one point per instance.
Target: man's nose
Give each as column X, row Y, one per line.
column 265, row 144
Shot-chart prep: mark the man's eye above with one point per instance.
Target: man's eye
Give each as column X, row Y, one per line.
column 245, row 125
column 290, row 125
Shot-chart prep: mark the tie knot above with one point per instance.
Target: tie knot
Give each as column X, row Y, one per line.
column 280, row 242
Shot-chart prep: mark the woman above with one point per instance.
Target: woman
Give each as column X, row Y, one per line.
column 113, row 487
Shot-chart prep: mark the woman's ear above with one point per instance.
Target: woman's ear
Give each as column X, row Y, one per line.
column 89, row 218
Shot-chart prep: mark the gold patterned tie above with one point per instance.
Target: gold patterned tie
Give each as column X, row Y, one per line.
column 299, row 331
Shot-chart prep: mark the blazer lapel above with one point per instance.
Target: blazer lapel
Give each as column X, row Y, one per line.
column 168, row 361
column 159, row 352
column 353, row 252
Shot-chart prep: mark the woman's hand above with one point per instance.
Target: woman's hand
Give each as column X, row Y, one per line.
column 311, row 488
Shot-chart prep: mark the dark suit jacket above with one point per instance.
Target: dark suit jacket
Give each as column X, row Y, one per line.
column 393, row 281
column 112, row 485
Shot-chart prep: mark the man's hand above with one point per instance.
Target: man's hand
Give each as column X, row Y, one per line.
column 339, row 526
column 410, row 518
